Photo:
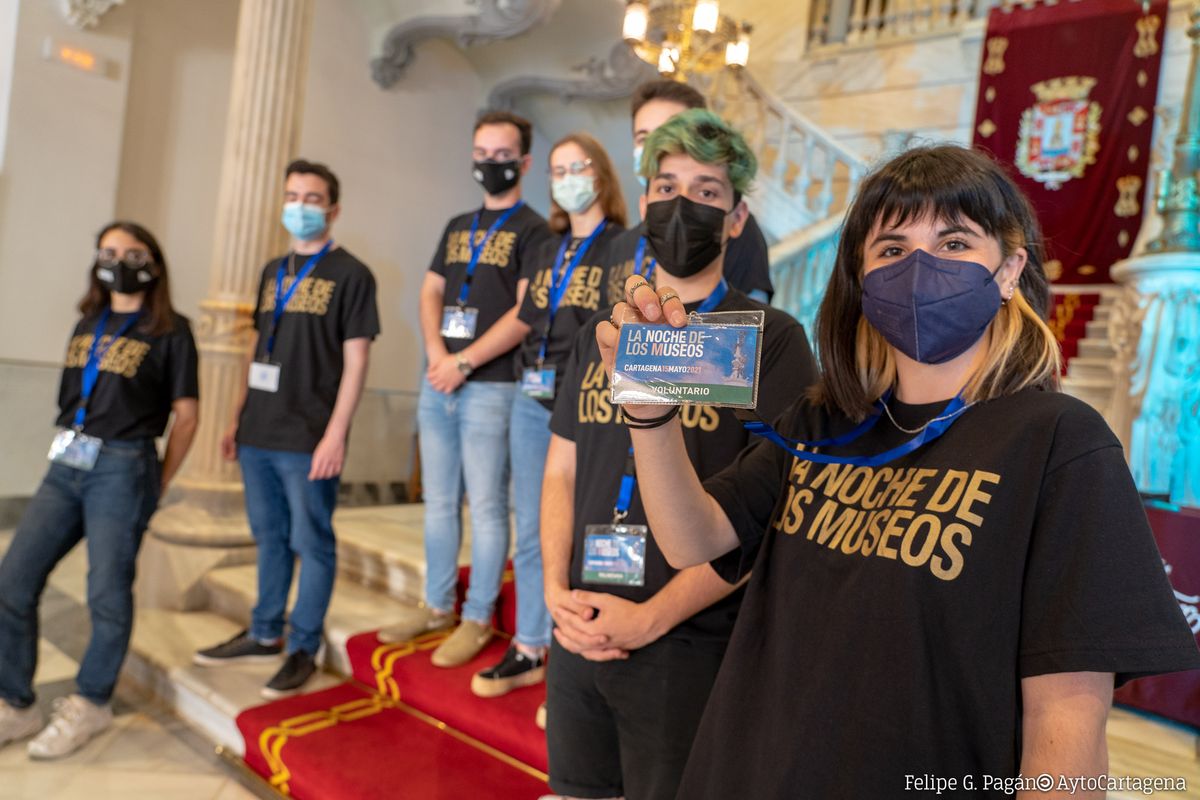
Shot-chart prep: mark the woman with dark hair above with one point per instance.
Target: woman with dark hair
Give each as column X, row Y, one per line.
column 950, row 562
column 130, row 366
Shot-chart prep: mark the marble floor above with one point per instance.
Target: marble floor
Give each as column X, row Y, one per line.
column 148, row 753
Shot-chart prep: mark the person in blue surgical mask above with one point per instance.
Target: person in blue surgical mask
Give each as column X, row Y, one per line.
column 934, row 530
column 313, row 325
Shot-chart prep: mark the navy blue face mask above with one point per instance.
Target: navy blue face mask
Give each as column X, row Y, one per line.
column 931, row 309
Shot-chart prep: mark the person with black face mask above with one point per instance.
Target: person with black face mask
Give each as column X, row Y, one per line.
column 746, row 262
column 935, row 531
column 632, row 662
column 469, row 321
column 131, row 365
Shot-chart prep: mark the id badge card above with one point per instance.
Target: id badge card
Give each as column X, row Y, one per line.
column 615, row 555
column 264, row 376
column 459, row 322
column 75, row 449
column 712, row 361
column 538, row 383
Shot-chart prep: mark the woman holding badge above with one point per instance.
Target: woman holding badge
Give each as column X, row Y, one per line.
column 587, row 211
column 130, row 366
column 950, row 562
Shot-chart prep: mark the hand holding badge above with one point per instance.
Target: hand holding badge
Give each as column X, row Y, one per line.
column 705, row 358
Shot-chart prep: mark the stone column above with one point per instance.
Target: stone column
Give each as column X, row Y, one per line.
column 204, row 508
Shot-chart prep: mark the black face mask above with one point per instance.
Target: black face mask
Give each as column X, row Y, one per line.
column 684, row 236
column 497, row 177
column 124, row 278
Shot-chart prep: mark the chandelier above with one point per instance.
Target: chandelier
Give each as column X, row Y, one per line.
column 685, row 37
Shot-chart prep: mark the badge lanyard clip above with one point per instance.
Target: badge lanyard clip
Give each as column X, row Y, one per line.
column 283, row 298
column 625, row 495
column 96, row 353
column 477, row 249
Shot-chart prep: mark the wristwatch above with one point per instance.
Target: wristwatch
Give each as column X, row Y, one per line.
column 464, row 366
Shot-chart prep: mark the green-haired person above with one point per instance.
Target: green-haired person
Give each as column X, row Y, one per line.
column 951, row 564
column 632, row 665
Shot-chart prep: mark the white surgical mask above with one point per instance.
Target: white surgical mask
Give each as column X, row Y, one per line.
column 637, row 165
column 574, row 193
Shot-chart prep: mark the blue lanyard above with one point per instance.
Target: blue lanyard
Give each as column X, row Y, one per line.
column 638, row 256
column 935, row 429
column 283, row 298
column 560, row 279
column 477, row 249
column 625, row 495
column 714, row 299
column 91, row 370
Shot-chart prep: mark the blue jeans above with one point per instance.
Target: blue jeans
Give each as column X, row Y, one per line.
column 290, row 516
column 109, row 507
column 464, row 442
column 529, row 439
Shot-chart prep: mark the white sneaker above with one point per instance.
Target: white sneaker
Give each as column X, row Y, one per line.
column 75, row 721
column 18, row 723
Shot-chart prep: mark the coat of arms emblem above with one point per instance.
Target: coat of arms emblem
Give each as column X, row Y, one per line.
column 1060, row 133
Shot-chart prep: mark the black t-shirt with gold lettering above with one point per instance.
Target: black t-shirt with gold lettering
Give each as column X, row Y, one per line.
column 746, row 267
column 585, row 414
column 335, row 302
column 512, row 253
column 583, row 297
column 140, row 376
column 893, row 611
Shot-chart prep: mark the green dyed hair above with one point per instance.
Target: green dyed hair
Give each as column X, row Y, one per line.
column 705, row 137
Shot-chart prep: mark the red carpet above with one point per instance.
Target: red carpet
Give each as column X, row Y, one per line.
column 347, row 743
column 1069, row 317
column 403, row 671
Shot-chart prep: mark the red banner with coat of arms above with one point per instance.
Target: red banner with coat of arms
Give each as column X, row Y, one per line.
column 1066, row 97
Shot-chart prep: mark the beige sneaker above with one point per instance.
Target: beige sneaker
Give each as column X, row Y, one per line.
column 75, row 721
column 18, row 723
column 462, row 645
column 540, row 718
column 416, row 622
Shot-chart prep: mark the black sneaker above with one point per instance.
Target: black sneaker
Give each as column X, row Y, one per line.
column 514, row 671
column 295, row 672
column 241, row 649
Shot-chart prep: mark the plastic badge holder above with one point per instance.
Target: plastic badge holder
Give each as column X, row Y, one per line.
column 712, row 361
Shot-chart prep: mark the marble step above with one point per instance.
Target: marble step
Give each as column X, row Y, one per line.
column 1102, row 312
column 209, row 699
column 1099, row 369
column 1097, row 329
column 383, row 547
column 354, row 608
column 1096, row 348
column 1096, row 392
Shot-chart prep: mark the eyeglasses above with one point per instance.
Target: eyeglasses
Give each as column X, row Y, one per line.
column 107, row 257
column 575, row 168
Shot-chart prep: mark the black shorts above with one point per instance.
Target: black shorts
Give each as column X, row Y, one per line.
column 625, row 727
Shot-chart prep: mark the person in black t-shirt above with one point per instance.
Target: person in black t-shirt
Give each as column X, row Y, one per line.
column 746, row 263
column 632, row 665
column 566, row 285
column 951, row 563
column 130, row 367
column 470, row 325
column 314, row 321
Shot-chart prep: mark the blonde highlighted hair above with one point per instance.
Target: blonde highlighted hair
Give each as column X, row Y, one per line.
column 947, row 182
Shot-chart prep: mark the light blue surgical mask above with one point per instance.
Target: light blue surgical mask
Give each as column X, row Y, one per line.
column 637, row 165
column 303, row 221
column 574, row 193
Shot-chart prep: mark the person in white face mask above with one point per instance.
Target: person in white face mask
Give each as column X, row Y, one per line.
column 565, row 289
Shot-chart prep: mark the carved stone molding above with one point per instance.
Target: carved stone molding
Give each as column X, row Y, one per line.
column 601, row 79
column 83, row 14
column 1155, row 330
column 495, row 20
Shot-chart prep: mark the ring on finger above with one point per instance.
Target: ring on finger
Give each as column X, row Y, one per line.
column 632, row 290
column 667, row 297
